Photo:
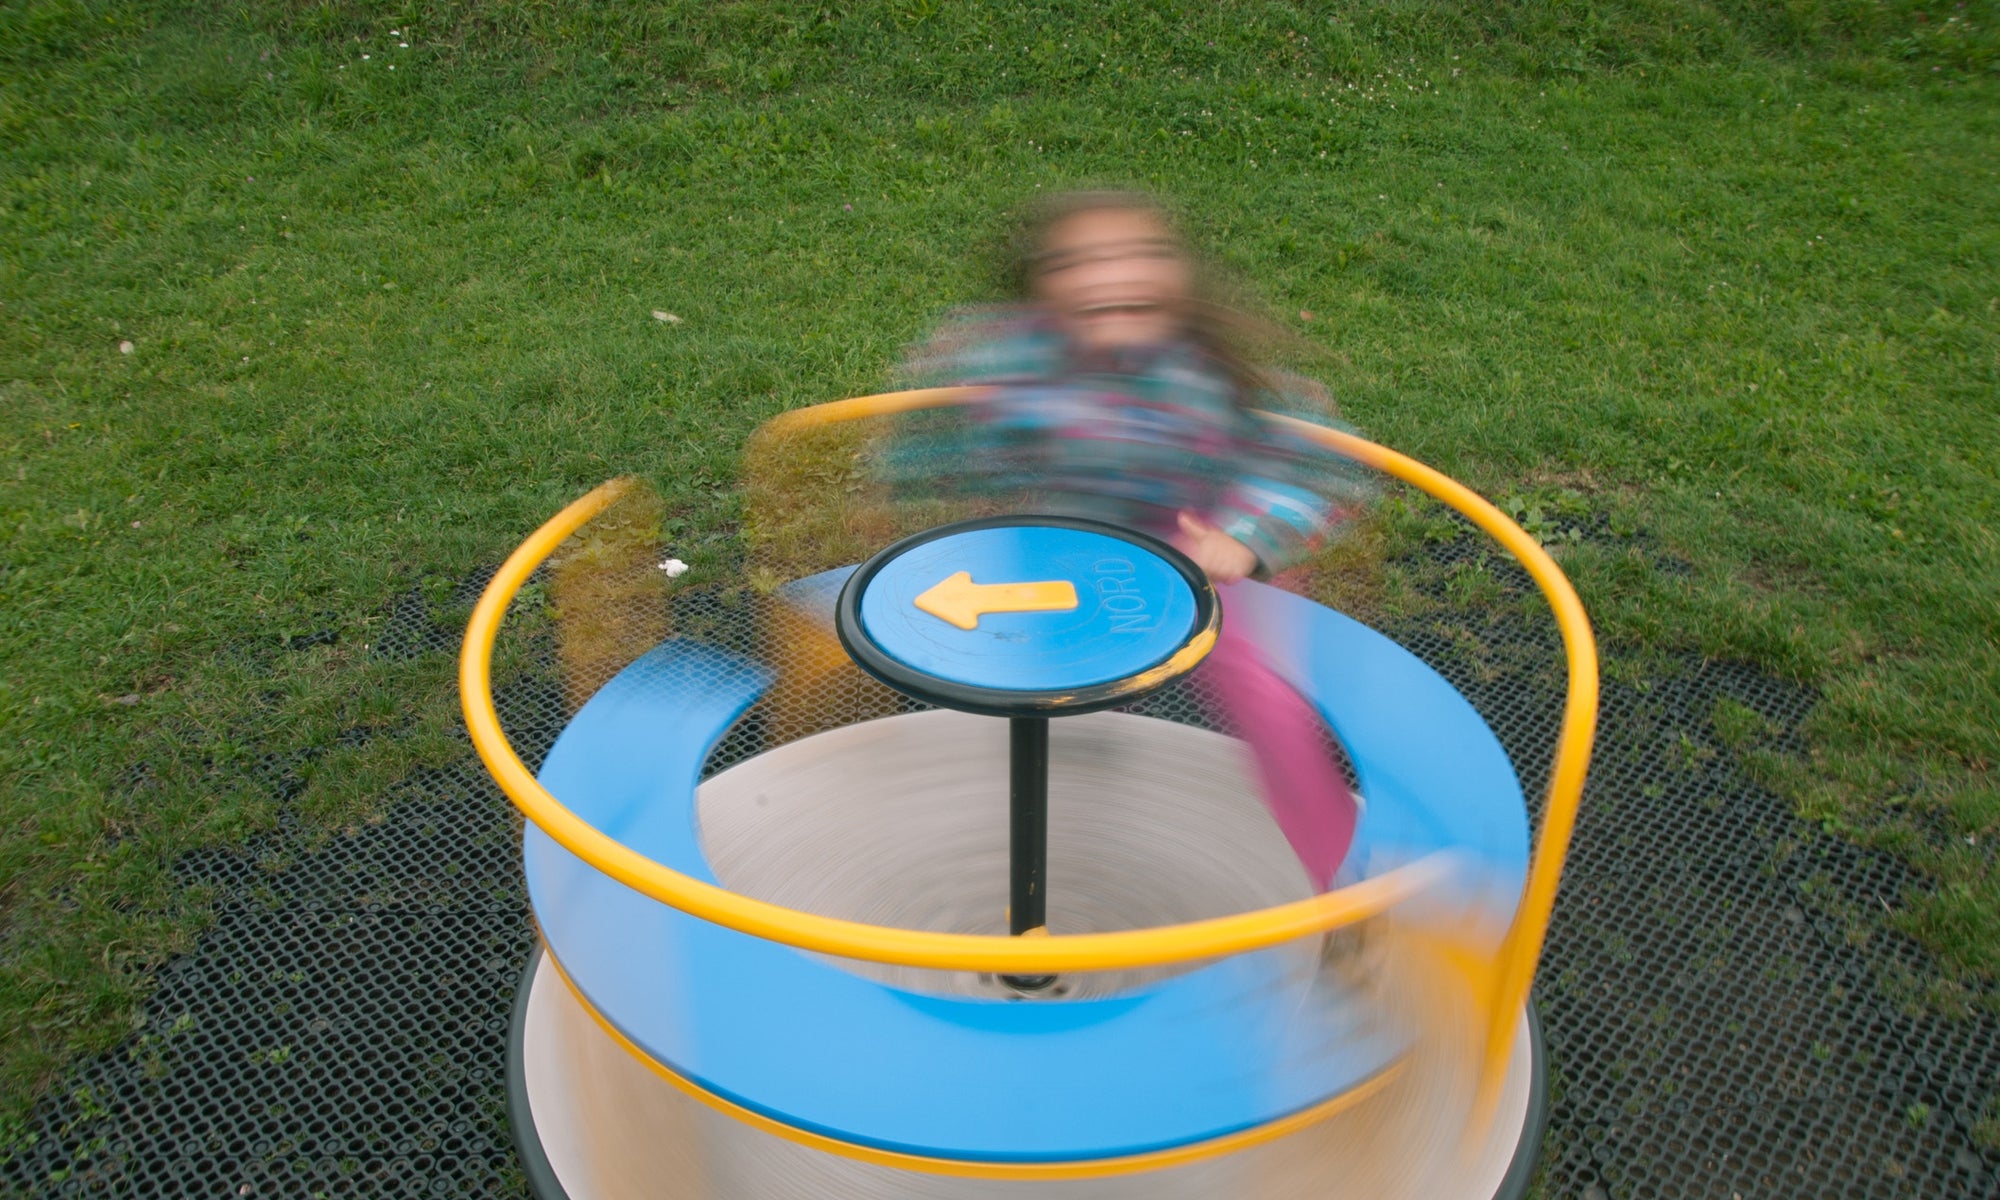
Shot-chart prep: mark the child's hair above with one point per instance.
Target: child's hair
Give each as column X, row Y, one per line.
column 1215, row 315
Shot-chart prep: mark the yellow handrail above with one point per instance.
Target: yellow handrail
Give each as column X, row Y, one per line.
column 1127, row 949
column 1522, row 949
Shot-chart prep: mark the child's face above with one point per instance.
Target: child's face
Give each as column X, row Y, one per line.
column 1114, row 277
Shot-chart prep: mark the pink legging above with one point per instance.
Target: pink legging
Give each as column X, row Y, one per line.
column 1303, row 786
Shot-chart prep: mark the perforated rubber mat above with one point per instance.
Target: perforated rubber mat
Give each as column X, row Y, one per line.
column 1725, row 1018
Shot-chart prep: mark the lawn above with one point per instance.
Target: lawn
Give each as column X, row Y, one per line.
column 308, row 307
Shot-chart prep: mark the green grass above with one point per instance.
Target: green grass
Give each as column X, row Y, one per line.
column 1723, row 270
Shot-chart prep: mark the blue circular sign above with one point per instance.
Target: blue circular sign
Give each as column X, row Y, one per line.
column 1027, row 613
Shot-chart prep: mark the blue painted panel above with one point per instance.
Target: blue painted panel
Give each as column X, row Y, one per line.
column 1224, row 1048
column 816, row 595
column 1133, row 610
column 1220, row 1049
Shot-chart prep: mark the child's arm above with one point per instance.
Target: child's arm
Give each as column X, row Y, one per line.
column 1288, row 491
column 1224, row 559
column 1277, row 522
column 963, row 451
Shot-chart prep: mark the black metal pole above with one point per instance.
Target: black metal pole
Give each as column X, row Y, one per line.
column 1028, row 837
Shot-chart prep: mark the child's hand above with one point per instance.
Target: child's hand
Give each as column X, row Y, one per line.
column 1221, row 557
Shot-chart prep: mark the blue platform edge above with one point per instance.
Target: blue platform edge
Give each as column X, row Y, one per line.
column 1215, row 1051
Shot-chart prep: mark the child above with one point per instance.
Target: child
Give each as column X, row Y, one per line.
column 1117, row 392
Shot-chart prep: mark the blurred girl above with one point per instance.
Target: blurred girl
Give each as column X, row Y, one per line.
column 1118, row 392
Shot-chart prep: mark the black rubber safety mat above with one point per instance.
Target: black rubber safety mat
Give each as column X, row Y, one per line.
column 1721, row 1021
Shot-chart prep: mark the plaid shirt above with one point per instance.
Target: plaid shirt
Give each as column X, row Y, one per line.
column 1131, row 439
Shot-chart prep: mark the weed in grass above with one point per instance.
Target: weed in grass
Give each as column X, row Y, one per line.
column 1986, row 1130
column 1737, row 724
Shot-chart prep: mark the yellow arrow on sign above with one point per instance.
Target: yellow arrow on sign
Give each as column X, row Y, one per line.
column 962, row 602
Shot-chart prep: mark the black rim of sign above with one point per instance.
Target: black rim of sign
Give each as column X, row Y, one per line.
column 1010, row 702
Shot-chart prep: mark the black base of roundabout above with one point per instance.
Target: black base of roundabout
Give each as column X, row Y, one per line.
column 543, row 1183
column 1528, row 1149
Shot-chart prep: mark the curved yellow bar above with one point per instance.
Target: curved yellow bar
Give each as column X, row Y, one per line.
column 886, row 404
column 1096, row 1168
column 1523, row 947
column 1212, row 938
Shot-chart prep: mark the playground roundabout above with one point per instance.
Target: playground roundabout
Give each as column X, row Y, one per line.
column 992, row 933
